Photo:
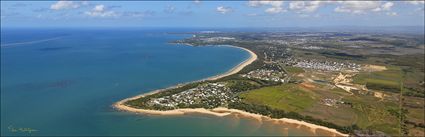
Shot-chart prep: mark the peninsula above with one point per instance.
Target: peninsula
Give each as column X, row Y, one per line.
column 293, row 81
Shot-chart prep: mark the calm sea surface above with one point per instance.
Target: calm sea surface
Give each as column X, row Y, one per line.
column 64, row 81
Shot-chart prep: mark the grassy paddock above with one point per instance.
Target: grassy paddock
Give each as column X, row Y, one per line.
column 288, row 97
column 294, row 70
column 387, row 80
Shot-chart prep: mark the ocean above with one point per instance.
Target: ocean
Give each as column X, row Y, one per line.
column 57, row 81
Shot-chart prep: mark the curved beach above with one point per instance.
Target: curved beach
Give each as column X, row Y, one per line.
column 238, row 67
column 220, row 112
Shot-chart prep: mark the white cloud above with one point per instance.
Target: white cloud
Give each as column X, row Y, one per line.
column 197, row 1
column 339, row 9
column 224, row 10
column 361, row 7
column 261, row 3
column 305, row 6
column 61, row 5
column 302, row 15
column 416, row 2
column 385, row 7
column 274, row 10
column 99, row 8
column 100, row 11
column 275, row 6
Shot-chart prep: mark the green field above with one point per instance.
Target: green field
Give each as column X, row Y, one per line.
column 367, row 112
column 374, row 114
column 387, row 80
column 242, row 85
column 288, row 97
column 294, row 70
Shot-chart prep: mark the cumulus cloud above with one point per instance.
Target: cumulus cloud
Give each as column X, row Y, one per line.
column 360, row 7
column 100, row 11
column 385, row 7
column 305, row 6
column 224, row 10
column 274, row 10
column 262, row 3
column 274, row 6
column 62, row 5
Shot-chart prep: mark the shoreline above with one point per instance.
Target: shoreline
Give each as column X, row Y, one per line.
column 237, row 68
column 220, row 111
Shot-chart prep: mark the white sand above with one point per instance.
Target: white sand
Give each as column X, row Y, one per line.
column 218, row 111
column 238, row 67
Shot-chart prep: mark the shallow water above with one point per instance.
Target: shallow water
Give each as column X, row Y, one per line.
column 66, row 86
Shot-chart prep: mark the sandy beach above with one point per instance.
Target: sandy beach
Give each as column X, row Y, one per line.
column 238, row 67
column 220, row 112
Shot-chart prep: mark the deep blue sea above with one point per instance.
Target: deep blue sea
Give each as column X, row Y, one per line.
column 64, row 81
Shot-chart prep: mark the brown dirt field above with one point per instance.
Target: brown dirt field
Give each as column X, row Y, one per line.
column 307, row 85
column 374, row 68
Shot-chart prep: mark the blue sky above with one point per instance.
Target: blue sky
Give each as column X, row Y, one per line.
column 211, row 13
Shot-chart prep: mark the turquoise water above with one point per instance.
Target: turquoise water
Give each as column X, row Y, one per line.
column 66, row 86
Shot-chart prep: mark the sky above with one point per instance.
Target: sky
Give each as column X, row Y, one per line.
column 211, row 13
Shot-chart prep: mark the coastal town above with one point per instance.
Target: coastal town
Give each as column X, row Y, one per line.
column 284, row 68
column 269, row 72
column 327, row 65
column 299, row 74
column 209, row 95
column 267, row 75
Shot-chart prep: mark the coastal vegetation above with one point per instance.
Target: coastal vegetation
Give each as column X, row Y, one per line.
column 357, row 84
column 294, row 70
column 365, row 114
column 287, row 97
column 141, row 102
column 277, row 113
column 387, row 80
